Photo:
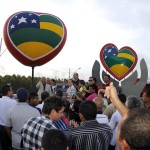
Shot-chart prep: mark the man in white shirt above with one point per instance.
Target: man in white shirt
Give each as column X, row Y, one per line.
column 43, row 86
column 101, row 118
column 71, row 89
column 17, row 116
column 6, row 102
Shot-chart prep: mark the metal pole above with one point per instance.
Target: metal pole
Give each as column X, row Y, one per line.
column 32, row 78
column 76, row 70
column 69, row 73
column 0, row 46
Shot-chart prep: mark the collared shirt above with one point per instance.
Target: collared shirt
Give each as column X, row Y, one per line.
column 71, row 90
column 61, row 125
column 33, row 131
column 16, row 117
column 101, row 118
column 90, row 135
column 5, row 104
column 115, row 119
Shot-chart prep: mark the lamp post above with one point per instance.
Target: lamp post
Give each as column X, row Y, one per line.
column 76, row 70
column 69, row 73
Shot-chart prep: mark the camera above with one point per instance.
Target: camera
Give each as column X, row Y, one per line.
column 74, row 96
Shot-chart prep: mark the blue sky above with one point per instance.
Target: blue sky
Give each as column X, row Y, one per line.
column 90, row 25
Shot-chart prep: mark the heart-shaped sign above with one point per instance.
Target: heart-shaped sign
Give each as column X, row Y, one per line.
column 34, row 38
column 119, row 63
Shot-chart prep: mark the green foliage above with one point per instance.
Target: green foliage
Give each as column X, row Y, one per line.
column 17, row 81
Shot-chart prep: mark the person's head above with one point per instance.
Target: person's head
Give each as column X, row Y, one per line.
column 67, row 107
column 53, row 82
column 79, row 96
column 146, row 98
column 59, row 93
column 75, row 76
column 33, row 99
column 134, row 130
column 53, row 107
column 48, row 81
column 81, row 83
column 70, row 82
column 92, row 88
column 43, row 80
column 65, row 81
column 22, row 95
column 7, row 90
column 76, row 105
column 99, row 103
column 106, row 78
column 87, row 110
column 44, row 95
column 122, row 97
column 133, row 102
column 54, row 139
column 92, row 80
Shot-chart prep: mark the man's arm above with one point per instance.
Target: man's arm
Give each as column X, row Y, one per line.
column 111, row 93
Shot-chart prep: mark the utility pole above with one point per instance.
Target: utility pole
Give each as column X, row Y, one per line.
column 69, row 73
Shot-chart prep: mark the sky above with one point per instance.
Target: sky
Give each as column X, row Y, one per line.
column 90, row 25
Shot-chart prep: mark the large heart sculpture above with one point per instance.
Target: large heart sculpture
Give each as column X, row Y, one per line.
column 119, row 63
column 34, row 38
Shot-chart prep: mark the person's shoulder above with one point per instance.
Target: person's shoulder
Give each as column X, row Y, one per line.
column 101, row 116
column 104, row 127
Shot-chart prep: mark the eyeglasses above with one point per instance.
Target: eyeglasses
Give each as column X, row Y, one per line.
column 90, row 80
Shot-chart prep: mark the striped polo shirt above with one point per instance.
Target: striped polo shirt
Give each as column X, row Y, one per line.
column 90, row 135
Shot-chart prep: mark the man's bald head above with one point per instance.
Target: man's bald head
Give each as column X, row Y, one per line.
column 99, row 103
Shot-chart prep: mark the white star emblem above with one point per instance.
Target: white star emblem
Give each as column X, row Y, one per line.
column 33, row 21
column 109, row 51
column 22, row 19
column 12, row 26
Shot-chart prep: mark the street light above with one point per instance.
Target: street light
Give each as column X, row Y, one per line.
column 73, row 72
column 76, row 70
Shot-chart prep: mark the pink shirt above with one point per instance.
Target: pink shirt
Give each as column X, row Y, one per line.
column 92, row 96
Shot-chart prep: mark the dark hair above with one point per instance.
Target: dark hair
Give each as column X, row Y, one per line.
column 94, row 87
column 148, row 93
column 59, row 93
column 76, row 111
column 82, row 82
column 135, row 129
column 122, row 97
column 32, row 95
column 67, row 107
column 5, row 89
column 107, row 75
column 53, row 80
column 44, row 95
column 54, row 139
column 93, row 79
column 88, row 109
column 50, row 103
column 76, row 106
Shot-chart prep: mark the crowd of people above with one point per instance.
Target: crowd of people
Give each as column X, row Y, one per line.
column 75, row 117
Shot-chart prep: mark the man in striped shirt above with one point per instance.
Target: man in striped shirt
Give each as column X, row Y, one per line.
column 90, row 135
